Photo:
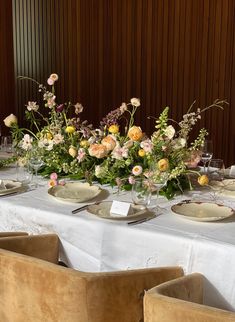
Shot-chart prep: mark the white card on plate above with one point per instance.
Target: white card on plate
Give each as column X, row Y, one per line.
column 120, row 208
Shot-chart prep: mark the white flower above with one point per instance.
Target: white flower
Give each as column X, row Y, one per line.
column 169, row 132
column 179, row 143
column 10, row 120
column 32, row 106
column 81, row 154
column 58, row 138
column 45, row 143
column 135, row 102
column 128, row 144
column 27, row 142
column 137, row 170
column 147, row 145
column 78, row 108
column 123, row 108
column 119, row 153
column 100, row 171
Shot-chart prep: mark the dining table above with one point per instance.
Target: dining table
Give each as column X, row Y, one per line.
column 93, row 243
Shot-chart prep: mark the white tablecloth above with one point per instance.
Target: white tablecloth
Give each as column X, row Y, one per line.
column 93, row 244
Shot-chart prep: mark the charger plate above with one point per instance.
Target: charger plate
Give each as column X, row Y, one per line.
column 74, row 192
column 102, row 210
column 202, row 211
column 9, row 186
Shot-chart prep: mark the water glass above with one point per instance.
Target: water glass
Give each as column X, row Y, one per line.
column 141, row 194
column 207, row 153
column 23, row 174
column 216, row 169
column 6, row 144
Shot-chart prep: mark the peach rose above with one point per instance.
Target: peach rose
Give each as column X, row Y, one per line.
column 73, row 151
column 109, row 142
column 163, row 165
column 135, row 133
column 97, row 150
column 10, row 120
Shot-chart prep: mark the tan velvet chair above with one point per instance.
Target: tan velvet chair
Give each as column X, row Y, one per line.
column 180, row 300
column 12, row 233
column 35, row 290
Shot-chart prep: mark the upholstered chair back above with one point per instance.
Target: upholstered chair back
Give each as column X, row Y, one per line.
column 35, row 290
column 181, row 300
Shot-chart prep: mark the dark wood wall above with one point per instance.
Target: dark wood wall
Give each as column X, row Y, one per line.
column 166, row 52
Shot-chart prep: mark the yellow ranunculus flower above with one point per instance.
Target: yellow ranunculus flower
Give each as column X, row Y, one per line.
column 163, row 165
column 114, row 129
column 49, row 136
column 73, row 151
column 203, row 180
column 84, row 144
column 141, row 153
column 135, row 133
column 70, row 129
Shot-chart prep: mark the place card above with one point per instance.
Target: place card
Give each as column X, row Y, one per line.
column 120, row 208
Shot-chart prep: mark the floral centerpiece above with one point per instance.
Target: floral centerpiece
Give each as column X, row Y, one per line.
column 111, row 153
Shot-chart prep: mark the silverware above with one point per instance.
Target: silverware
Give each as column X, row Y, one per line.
column 139, row 221
column 85, row 207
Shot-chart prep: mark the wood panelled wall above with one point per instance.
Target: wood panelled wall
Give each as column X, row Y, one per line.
column 7, row 78
column 166, row 52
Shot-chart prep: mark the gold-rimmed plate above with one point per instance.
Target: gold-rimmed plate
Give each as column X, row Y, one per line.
column 202, row 211
column 9, row 187
column 102, row 210
column 75, row 192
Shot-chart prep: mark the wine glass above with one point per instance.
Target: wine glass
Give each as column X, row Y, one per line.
column 141, row 193
column 158, row 181
column 35, row 162
column 207, row 153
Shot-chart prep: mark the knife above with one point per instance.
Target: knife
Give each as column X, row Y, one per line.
column 139, row 221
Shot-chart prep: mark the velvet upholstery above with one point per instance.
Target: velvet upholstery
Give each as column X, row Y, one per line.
column 36, row 290
column 181, row 300
column 45, row 247
column 13, row 233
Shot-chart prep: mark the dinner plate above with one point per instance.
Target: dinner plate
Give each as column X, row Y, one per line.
column 228, row 175
column 74, row 192
column 102, row 210
column 202, row 211
column 225, row 187
column 9, row 186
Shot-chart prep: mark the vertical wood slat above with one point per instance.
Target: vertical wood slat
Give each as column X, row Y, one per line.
column 167, row 52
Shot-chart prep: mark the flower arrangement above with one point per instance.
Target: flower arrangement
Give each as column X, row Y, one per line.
column 111, row 153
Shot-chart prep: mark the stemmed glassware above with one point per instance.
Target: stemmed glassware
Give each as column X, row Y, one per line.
column 141, row 193
column 207, row 153
column 35, row 162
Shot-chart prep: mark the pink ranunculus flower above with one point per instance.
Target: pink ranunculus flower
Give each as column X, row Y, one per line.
column 119, row 153
column 98, row 150
column 147, row 145
column 53, row 176
column 137, row 170
column 131, row 180
column 81, row 154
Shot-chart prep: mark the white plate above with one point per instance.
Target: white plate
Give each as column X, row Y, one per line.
column 11, row 186
column 228, row 175
column 75, row 192
column 102, row 210
column 225, row 187
column 202, row 211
